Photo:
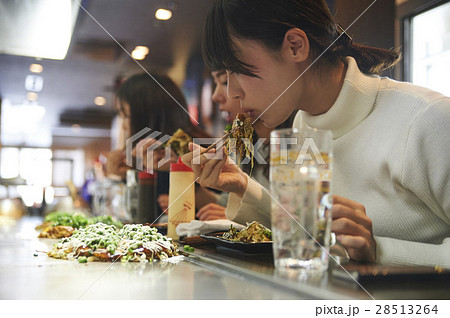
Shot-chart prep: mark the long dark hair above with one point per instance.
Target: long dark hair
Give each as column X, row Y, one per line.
column 267, row 21
column 152, row 107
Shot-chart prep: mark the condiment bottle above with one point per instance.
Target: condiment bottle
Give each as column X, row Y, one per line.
column 181, row 197
column 147, row 212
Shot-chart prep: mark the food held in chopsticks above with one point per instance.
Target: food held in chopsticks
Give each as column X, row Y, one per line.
column 179, row 142
column 61, row 224
column 253, row 233
column 239, row 142
column 104, row 243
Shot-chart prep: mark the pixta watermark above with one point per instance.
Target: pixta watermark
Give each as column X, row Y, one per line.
column 151, row 153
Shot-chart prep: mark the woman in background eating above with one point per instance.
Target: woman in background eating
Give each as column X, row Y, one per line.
column 143, row 103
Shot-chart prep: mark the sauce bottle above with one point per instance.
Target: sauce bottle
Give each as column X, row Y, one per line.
column 181, row 197
column 147, row 212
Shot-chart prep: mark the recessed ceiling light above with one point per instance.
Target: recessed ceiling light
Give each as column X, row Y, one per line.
column 163, row 14
column 32, row 96
column 100, row 101
column 137, row 55
column 36, row 68
column 76, row 128
column 143, row 49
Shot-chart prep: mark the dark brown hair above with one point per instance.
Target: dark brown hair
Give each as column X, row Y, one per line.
column 151, row 105
column 267, row 21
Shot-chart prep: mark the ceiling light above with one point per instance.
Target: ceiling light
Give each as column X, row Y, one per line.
column 40, row 28
column 36, row 68
column 100, row 101
column 76, row 128
column 32, row 96
column 137, row 55
column 143, row 49
column 163, row 14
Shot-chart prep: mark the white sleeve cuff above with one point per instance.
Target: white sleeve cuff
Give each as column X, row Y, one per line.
column 392, row 251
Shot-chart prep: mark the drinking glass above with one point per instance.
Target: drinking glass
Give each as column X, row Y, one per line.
column 300, row 183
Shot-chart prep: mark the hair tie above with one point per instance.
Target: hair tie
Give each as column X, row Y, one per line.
column 344, row 38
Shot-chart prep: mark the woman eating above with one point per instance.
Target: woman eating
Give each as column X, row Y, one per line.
column 391, row 139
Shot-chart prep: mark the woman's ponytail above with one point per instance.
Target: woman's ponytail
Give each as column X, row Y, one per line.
column 372, row 60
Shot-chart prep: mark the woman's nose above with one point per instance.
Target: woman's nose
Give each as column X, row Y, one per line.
column 219, row 96
column 234, row 90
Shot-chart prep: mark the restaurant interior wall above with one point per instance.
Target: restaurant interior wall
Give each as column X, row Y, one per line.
column 376, row 27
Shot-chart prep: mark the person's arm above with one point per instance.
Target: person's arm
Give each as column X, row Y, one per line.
column 215, row 170
column 157, row 160
column 426, row 173
column 398, row 252
column 115, row 164
column 247, row 201
column 254, row 205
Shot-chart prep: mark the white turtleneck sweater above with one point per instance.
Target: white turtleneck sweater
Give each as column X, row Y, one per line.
column 391, row 144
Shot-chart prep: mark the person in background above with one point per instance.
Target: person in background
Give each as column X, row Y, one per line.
column 391, row 173
column 231, row 107
column 143, row 103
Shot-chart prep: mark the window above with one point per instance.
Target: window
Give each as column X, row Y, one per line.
column 427, row 46
column 431, row 49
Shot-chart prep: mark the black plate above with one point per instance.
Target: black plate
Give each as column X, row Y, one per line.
column 251, row 248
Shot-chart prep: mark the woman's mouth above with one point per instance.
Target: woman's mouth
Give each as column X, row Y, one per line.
column 227, row 116
column 250, row 112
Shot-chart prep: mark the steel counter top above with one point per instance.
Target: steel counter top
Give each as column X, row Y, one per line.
column 204, row 274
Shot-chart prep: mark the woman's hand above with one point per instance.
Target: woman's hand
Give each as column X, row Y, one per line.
column 115, row 164
column 211, row 211
column 163, row 201
column 353, row 229
column 219, row 173
column 158, row 153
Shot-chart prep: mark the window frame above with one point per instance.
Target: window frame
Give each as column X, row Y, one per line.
column 405, row 13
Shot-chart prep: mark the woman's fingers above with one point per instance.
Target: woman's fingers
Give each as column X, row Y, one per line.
column 188, row 159
column 213, row 215
column 347, row 202
column 209, row 161
column 358, row 248
column 349, row 227
column 353, row 228
column 215, row 173
column 211, row 210
column 201, row 164
column 342, row 211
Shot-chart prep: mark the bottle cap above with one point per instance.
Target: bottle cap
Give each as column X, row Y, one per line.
column 145, row 175
column 179, row 167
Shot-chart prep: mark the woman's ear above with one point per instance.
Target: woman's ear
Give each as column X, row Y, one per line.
column 296, row 45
